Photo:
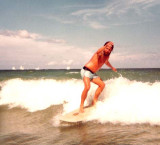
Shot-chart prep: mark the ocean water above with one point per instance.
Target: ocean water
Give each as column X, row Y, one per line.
column 32, row 101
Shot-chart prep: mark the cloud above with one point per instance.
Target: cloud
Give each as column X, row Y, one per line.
column 64, row 19
column 97, row 25
column 26, row 49
column 143, row 1
column 51, row 63
column 135, row 60
column 20, row 34
column 108, row 12
column 60, row 19
column 23, row 50
column 28, row 35
column 67, row 62
column 98, row 17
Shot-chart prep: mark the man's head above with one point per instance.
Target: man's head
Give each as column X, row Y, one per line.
column 109, row 45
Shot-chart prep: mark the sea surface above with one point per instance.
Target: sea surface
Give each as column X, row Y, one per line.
column 32, row 102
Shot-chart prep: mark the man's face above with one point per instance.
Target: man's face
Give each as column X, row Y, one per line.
column 108, row 48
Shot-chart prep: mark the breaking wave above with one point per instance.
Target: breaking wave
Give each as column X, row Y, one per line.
column 121, row 101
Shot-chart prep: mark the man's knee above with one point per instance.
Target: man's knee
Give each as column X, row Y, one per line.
column 87, row 87
column 102, row 85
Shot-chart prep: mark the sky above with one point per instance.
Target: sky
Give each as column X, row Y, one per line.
column 60, row 34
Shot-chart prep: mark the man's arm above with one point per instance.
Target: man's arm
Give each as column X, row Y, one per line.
column 100, row 50
column 109, row 65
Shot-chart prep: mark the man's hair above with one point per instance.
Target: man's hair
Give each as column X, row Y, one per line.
column 107, row 43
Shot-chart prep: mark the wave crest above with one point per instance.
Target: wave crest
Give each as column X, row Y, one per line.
column 122, row 100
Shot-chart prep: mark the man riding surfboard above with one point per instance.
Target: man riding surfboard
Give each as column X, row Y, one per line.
column 88, row 72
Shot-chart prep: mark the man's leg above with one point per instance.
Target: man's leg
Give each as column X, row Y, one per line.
column 100, row 88
column 86, row 81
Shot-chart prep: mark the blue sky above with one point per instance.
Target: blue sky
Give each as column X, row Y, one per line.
column 52, row 34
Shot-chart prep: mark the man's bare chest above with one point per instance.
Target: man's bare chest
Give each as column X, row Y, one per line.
column 102, row 58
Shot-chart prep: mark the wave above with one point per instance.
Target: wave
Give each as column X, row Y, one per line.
column 72, row 73
column 122, row 100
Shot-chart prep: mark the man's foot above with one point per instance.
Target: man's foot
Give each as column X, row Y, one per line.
column 81, row 110
column 75, row 114
column 94, row 103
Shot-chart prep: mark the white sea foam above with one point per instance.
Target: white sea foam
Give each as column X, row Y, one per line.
column 122, row 100
column 129, row 102
column 72, row 73
column 39, row 94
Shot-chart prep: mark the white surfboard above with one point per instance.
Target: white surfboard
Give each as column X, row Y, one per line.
column 71, row 118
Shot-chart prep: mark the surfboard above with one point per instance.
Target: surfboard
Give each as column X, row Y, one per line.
column 81, row 117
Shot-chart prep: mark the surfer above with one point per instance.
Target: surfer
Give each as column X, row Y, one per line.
column 88, row 72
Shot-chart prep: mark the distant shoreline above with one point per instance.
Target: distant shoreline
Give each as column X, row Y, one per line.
column 74, row 69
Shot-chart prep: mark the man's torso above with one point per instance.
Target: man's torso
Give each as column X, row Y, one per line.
column 96, row 62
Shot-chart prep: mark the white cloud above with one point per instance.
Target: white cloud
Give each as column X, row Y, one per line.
column 67, row 62
column 143, row 1
column 23, row 51
column 18, row 49
column 58, row 18
column 97, row 25
column 133, row 60
column 20, row 34
column 28, row 35
column 97, row 17
column 52, row 63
